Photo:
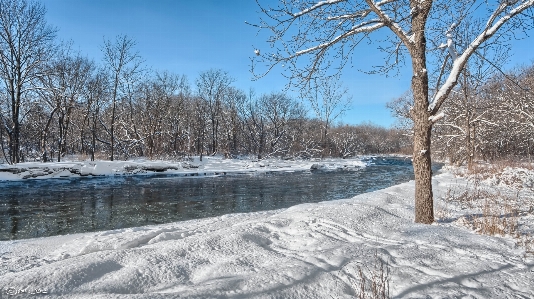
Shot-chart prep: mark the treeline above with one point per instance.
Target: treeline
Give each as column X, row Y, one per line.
column 163, row 116
column 485, row 119
column 56, row 102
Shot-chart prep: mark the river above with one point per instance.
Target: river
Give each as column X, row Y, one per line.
column 41, row 208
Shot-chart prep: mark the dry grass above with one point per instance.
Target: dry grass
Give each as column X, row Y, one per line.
column 527, row 242
column 374, row 281
column 368, row 281
column 483, row 171
column 494, row 214
column 442, row 210
column 499, row 217
column 490, row 210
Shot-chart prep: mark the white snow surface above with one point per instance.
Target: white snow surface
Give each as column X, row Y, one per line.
column 209, row 166
column 515, row 177
column 306, row 251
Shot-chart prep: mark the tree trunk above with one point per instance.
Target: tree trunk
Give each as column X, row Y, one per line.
column 469, row 111
column 2, row 145
column 14, row 136
column 93, row 133
column 14, row 142
column 60, row 141
column 113, row 110
column 112, row 131
column 93, row 144
column 528, row 151
column 424, row 205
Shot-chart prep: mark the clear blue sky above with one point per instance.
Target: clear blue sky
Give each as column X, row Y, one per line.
column 188, row 37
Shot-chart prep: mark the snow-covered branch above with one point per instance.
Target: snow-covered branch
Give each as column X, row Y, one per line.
column 314, row 7
column 459, row 63
column 361, row 14
column 389, row 22
column 362, row 28
column 435, row 118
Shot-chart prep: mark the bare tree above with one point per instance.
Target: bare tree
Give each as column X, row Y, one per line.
column 200, row 114
column 122, row 62
column 279, row 110
column 510, row 97
column 400, row 109
column 328, row 100
column 325, row 33
column 255, row 124
column 179, row 121
column 468, row 110
column 26, row 43
column 232, row 124
column 212, row 87
column 488, row 115
column 62, row 89
column 153, row 113
column 521, row 102
column 96, row 93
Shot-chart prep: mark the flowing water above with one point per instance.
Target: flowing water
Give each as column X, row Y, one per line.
column 40, row 208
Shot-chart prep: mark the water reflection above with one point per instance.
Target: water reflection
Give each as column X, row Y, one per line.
column 51, row 207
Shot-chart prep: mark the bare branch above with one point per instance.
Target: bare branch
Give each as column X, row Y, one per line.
column 491, row 28
column 314, row 7
column 363, row 29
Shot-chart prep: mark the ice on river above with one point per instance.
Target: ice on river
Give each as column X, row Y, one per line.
column 306, row 251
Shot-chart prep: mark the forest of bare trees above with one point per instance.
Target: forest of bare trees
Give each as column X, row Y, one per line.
column 485, row 119
column 56, row 102
column 73, row 111
column 489, row 121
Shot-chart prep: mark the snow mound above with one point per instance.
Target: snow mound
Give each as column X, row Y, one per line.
column 211, row 165
column 208, row 166
column 23, row 171
column 330, row 165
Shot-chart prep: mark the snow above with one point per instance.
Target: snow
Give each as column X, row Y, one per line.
column 437, row 117
column 516, row 177
column 450, row 46
column 211, row 165
column 306, row 251
column 315, row 6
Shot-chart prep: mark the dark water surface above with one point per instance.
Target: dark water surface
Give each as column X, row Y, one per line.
column 40, row 208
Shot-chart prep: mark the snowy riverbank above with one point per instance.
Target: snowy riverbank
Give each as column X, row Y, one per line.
column 194, row 167
column 306, row 251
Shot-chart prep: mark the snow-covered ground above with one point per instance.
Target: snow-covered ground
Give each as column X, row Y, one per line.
column 306, row 251
column 208, row 166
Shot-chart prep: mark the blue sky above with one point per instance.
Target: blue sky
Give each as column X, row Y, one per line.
column 188, row 37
